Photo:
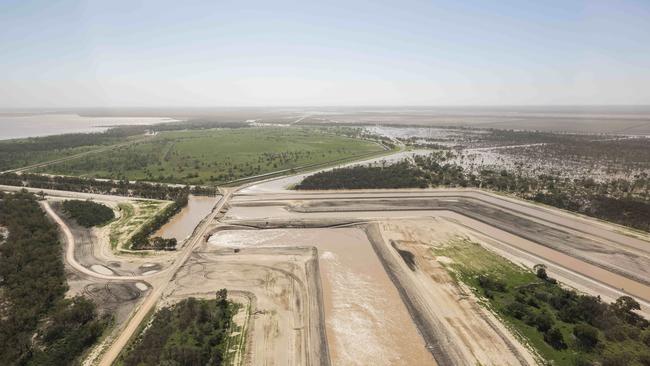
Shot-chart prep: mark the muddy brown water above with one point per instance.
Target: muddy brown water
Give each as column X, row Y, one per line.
column 182, row 224
column 365, row 319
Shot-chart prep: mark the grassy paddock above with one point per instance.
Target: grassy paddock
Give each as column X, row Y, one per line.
column 217, row 156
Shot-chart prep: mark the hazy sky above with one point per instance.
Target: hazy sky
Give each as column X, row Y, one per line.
column 270, row 52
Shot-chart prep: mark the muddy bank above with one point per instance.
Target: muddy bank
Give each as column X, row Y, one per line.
column 281, row 223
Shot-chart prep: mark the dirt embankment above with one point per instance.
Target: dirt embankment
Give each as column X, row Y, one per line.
column 458, row 331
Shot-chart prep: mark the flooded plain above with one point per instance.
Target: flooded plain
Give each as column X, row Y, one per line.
column 365, row 319
column 182, row 224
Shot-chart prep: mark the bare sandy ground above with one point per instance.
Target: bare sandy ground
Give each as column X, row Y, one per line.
column 364, row 314
column 90, row 248
column 282, row 286
column 112, row 347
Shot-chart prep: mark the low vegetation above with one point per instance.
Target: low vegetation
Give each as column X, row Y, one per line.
column 23, row 152
column 191, row 332
column 565, row 327
column 88, row 213
column 18, row 153
column 119, row 188
column 38, row 325
column 216, row 156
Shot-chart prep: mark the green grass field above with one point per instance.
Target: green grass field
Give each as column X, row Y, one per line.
column 216, row 156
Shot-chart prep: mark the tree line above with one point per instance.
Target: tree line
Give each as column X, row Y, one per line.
column 398, row 175
column 121, row 187
column 625, row 202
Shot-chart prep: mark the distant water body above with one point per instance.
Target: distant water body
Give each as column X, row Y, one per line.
column 34, row 125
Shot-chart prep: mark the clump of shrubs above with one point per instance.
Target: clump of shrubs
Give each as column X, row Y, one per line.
column 88, row 213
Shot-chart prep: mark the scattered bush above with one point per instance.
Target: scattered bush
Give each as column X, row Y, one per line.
column 555, row 338
column 491, row 283
column 517, row 310
column 616, row 333
column 645, row 337
column 544, row 321
column 586, row 335
column 617, row 358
